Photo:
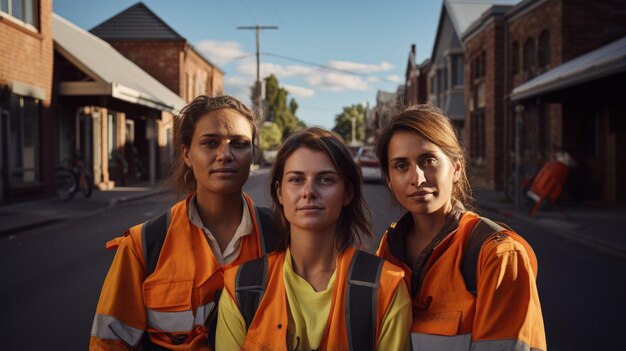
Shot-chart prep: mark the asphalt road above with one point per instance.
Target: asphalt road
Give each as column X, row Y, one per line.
column 51, row 277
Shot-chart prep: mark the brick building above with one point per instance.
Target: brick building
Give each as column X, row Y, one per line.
column 144, row 38
column 511, row 48
column 26, row 58
column 110, row 111
column 446, row 76
column 416, row 79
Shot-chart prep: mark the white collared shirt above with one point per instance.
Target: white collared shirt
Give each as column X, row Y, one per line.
column 234, row 246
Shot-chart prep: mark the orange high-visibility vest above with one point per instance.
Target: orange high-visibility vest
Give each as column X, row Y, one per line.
column 173, row 303
column 505, row 313
column 268, row 329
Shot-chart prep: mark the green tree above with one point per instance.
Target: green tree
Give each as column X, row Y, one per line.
column 278, row 111
column 343, row 123
column 271, row 136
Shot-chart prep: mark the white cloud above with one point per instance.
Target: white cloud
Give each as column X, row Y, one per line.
column 336, row 82
column 373, row 79
column 395, row 78
column 361, row 67
column 249, row 68
column 220, row 52
column 299, row 91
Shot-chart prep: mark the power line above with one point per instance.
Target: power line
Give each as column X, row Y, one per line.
column 326, row 67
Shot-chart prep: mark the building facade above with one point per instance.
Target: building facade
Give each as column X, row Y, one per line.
column 511, row 47
column 446, row 75
column 144, row 38
column 416, row 79
column 26, row 95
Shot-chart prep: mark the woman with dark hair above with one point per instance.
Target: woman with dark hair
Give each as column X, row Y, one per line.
column 160, row 290
column 317, row 291
column 472, row 280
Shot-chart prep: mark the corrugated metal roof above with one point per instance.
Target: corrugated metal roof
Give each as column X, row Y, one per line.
column 104, row 64
column 465, row 12
column 135, row 23
column 607, row 60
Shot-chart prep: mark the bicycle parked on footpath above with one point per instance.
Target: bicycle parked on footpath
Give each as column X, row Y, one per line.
column 70, row 180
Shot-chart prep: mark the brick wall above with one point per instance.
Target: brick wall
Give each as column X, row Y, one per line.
column 490, row 41
column 159, row 58
column 213, row 79
column 27, row 57
column 547, row 16
column 588, row 25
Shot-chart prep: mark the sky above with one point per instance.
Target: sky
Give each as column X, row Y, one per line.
column 366, row 42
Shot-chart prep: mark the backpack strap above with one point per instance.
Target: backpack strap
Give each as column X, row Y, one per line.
column 250, row 284
column 153, row 234
column 483, row 231
column 361, row 300
column 268, row 227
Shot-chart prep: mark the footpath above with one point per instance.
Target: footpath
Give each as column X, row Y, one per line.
column 598, row 226
column 20, row 217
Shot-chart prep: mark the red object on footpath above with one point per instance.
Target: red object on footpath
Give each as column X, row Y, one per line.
column 548, row 184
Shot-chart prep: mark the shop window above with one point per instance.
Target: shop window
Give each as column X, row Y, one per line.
column 544, row 49
column 24, row 140
column 26, row 11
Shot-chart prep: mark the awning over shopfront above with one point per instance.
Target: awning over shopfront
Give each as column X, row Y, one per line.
column 603, row 62
column 112, row 74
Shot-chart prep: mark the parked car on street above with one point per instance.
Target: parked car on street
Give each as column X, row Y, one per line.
column 370, row 166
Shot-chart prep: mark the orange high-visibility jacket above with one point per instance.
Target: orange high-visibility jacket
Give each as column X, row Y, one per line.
column 268, row 330
column 173, row 303
column 504, row 315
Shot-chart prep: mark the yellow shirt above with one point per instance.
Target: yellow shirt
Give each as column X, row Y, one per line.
column 309, row 310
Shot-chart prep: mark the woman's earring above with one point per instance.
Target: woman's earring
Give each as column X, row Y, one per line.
column 187, row 173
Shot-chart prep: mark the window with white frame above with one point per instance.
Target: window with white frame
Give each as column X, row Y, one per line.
column 26, row 11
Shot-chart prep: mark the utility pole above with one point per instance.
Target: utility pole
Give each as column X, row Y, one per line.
column 256, row 99
column 258, row 29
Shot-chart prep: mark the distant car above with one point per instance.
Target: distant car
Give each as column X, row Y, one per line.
column 370, row 166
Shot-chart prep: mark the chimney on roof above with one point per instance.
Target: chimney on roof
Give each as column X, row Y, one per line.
column 413, row 48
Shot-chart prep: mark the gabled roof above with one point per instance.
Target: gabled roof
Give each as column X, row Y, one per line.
column 137, row 22
column 112, row 73
column 463, row 13
column 607, row 60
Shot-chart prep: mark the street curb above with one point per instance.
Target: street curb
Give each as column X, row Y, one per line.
column 601, row 246
column 111, row 204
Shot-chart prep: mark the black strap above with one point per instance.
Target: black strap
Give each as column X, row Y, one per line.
column 268, row 227
column 211, row 321
column 153, row 234
column 483, row 230
column 361, row 300
column 362, row 291
column 250, row 284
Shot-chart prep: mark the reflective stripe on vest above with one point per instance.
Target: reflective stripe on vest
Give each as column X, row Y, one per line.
column 180, row 321
column 109, row 327
column 431, row 342
column 463, row 342
column 502, row 344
